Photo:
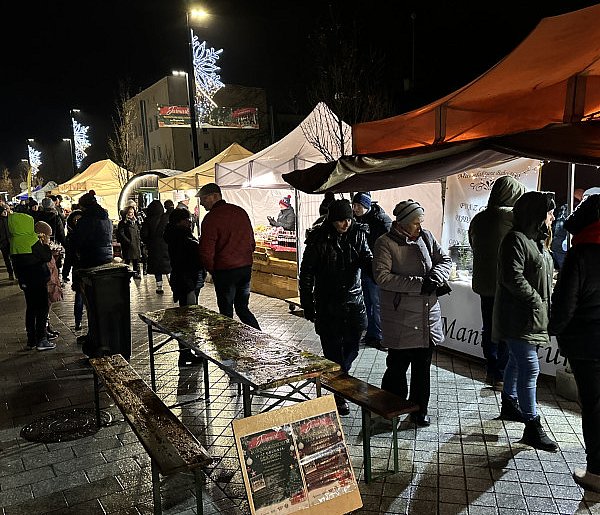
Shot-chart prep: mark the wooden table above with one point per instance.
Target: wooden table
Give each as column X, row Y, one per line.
column 256, row 360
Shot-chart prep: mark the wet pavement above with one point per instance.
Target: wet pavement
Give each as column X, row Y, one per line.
column 465, row 462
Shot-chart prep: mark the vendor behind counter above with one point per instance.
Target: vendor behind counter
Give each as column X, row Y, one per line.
column 286, row 217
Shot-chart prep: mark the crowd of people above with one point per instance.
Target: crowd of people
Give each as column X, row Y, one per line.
column 355, row 250
column 362, row 273
column 40, row 246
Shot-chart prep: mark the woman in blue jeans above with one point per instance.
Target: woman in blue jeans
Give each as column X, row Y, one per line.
column 521, row 310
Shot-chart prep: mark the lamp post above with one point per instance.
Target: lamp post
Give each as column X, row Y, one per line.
column 70, row 142
column 191, row 82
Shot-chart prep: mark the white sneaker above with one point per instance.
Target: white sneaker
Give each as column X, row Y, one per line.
column 587, row 480
column 44, row 344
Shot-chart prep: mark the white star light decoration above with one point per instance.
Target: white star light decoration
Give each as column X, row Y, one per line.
column 35, row 160
column 82, row 142
column 206, row 76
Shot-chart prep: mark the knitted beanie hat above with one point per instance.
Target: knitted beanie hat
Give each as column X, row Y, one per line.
column 407, row 210
column 42, row 227
column 339, row 210
column 363, row 198
column 286, row 201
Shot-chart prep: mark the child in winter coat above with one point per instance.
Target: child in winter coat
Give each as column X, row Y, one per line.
column 30, row 254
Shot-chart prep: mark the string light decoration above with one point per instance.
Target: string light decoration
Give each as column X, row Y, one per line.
column 206, row 76
column 82, row 141
column 35, row 160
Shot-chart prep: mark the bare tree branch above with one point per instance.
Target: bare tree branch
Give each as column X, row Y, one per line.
column 124, row 148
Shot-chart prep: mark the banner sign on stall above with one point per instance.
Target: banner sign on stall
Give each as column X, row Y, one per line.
column 295, row 459
column 217, row 118
column 467, row 193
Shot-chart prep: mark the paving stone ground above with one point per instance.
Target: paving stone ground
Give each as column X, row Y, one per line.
column 466, row 462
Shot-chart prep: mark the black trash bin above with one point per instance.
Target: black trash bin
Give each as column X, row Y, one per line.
column 105, row 292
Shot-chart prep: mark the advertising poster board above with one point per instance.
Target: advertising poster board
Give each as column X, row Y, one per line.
column 295, row 460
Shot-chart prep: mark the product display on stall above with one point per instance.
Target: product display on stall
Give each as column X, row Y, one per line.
column 275, row 269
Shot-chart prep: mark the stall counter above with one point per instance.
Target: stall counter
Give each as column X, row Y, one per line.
column 461, row 321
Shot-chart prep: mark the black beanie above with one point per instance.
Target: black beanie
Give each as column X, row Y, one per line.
column 587, row 212
column 339, row 210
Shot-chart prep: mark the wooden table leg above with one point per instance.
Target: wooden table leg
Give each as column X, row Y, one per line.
column 318, row 386
column 395, row 443
column 156, row 488
column 97, row 399
column 198, row 483
column 151, row 351
column 247, row 399
column 206, row 383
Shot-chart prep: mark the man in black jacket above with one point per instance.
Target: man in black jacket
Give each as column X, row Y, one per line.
column 575, row 320
column 330, row 290
column 92, row 238
column 371, row 214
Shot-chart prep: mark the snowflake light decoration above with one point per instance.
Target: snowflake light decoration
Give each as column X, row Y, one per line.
column 82, row 141
column 35, row 160
column 206, row 76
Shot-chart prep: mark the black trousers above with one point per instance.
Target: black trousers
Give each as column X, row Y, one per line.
column 394, row 379
column 7, row 261
column 36, row 314
column 587, row 377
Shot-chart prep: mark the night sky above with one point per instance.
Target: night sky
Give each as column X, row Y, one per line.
column 65, row 54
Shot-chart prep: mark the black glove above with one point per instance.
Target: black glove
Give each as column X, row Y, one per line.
column 429, row 286
column 271, row 220
column 309, row 313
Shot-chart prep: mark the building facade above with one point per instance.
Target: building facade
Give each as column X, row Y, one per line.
column 171, row 147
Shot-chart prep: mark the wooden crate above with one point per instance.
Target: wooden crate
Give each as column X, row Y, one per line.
column 277, row 286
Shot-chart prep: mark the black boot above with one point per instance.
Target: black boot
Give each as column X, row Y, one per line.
column 510, row 409
column 535, row 436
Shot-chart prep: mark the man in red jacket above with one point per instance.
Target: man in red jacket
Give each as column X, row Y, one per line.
column 226, row 247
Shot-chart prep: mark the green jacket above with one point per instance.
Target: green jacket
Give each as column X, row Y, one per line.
column 487, row 229
column 521, row 305
column 22, row 234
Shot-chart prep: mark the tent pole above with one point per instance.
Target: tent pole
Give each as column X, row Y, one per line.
column 570, row 193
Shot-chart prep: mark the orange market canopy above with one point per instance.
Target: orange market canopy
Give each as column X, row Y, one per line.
column 540, row 101
column 203, row 174
column 101, row 176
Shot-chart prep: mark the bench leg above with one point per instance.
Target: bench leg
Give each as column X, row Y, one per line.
column 198, row 483
column 318, row 386
column 97, row 399
column 205, row 377
column 156, row 488
column 395, row 443
column 366, row 432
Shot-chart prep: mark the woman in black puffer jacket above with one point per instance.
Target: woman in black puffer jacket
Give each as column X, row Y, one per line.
column 152, row 233
column 128, row 235
column 575, row 320
column 330, row 288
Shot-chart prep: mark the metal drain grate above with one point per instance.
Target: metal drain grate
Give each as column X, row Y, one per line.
column 64, row 426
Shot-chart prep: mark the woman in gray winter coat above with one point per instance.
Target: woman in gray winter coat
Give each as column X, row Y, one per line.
column 409, row 266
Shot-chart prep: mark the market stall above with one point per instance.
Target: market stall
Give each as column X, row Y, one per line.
column 104, row 178
column 255, row 183
column 540, row 101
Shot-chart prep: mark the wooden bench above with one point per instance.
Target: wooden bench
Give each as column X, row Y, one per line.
column 171, row 446
column 371, row 400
